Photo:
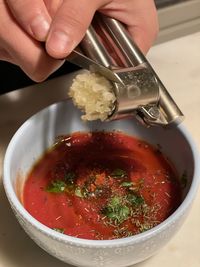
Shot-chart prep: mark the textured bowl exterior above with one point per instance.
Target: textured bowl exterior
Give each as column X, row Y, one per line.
column 90, row 255
column 39, row 132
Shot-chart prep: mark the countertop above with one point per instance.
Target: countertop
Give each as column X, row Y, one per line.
column 178, row 64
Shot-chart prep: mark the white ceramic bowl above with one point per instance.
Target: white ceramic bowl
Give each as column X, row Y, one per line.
column 39, row 132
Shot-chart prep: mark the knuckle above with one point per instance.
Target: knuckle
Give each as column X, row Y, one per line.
column 71, row 22
column 53, row 6
column 24, row 11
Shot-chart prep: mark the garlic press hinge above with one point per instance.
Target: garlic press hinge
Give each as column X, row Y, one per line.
column 138, row 94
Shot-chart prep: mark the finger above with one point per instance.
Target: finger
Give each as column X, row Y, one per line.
column 145, row 28
column 143, row 37
column 26, row 52
column 69, row 26
column 140, row 17
column 33, row 60
column 52, row 6
column 32, row 16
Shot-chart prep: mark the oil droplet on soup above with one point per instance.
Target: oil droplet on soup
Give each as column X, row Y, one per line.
column 101, row 185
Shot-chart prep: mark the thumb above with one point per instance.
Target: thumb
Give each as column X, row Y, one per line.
column 69, row 26
column 32, row 16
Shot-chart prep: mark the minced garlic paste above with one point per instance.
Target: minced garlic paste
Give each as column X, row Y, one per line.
column 94, row 95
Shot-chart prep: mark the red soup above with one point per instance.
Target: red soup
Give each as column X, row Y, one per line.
column 101, row 185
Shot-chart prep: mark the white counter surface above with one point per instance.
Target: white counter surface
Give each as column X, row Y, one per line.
column 178, row 64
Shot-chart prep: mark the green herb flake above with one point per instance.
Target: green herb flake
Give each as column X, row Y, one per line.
column 122, row 232
column 135, row 199
column 118, row 173
column 184, row 180
column 127, row 184
column 57, row 186
column 60, row 230
column 78, row 192
column 114, row 201
column 145, row 227
column 116, row 210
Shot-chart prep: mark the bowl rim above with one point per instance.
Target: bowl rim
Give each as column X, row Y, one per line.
column 121, row 242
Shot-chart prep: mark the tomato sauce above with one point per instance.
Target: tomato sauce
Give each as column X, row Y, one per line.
column 101, row 185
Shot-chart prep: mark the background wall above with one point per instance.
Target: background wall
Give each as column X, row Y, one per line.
column 177, row 18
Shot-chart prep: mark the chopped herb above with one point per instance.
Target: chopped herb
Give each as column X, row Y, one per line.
column 118, row 173
column 122, row 232
column 116, row 210
column 184, row 180
column 127, row 184
column 114, row 201
column 144, row 227
column 57, row 186
column 78, row 192
column 60, row 230
column 135, row 199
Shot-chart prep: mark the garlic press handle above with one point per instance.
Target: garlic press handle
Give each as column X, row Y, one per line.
column 133, row 86
column 168, row 109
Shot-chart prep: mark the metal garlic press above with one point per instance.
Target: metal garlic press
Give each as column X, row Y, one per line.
column 108, row 49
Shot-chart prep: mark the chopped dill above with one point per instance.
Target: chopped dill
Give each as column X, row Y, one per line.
column 78, row 192
column 116, row 210
column 118, row 173
column 57, row 186
column 135, row 199
column 127, row 184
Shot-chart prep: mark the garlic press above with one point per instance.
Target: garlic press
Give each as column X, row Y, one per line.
column 108, row 49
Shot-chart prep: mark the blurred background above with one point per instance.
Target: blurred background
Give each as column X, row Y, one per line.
column 176, row 17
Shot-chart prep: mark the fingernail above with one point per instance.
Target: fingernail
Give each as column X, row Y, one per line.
column 40, row 27
column 60, row 43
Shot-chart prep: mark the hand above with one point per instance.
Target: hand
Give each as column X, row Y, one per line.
column 19, row 48
column 63, row 23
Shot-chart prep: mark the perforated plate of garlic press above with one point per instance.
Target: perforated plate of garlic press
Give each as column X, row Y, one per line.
column 108, row 49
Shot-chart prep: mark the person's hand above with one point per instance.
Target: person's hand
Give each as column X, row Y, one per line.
column 63, row 23
column 19, row 48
